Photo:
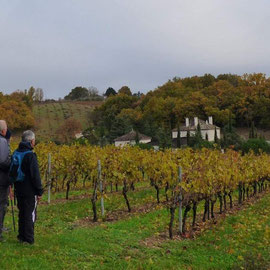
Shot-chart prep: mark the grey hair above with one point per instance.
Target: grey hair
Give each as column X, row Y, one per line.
column 28, row 136
column 3, row 125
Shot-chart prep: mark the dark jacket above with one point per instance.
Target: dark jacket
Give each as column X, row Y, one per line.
column 32, row 183
column 4, row 161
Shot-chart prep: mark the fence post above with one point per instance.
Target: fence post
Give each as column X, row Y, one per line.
column 49, row 178
column 101, row 188
column 180, row 201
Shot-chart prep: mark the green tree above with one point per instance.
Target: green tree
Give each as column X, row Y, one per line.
column 215, row 136
column 230, row 137
column 252, row 133
column 110, row 92
column 91, row 135
column 256, row 145
column 164, row 138
column 110, row 109
column 198, row 133
column 31, row 92
column 178, row 136
column 125, row 90
column 137, row 139
column 188, row 138
column 208, row 80
column 120, row 126
column 231, row 78
column 78, row 93
column 197, row 138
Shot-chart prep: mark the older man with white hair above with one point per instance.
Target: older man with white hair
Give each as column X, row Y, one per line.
column 4, row 168
column 28, row 191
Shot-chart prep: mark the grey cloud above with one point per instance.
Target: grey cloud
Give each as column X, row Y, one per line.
column 59, row 44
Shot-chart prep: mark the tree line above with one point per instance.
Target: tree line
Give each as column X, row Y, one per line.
column 80, row 93
column 16, row 108
column 244, row 100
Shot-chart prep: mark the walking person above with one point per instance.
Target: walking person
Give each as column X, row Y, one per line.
column 4, row 168
column 28, row 191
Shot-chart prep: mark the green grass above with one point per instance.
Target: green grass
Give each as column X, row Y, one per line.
column 241, row 241
column 49, row 116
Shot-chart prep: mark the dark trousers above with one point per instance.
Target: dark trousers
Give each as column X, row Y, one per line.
column 3, row 205
column 27, row 216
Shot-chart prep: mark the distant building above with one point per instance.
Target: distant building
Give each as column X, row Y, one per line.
column 207, row 127
column 130, row 138
column 78, row 135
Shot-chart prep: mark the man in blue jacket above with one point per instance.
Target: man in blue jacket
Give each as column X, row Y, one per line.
column 29, row 191
column 4, row 168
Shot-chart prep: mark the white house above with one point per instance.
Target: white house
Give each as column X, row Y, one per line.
column 130, row 138
column 78, row 135
column 207, row 127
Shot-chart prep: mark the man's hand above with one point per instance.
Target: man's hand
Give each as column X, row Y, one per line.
column 39, row 198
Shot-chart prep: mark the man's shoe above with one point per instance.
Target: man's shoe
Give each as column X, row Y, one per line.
column 27, row 243
column 20, row 239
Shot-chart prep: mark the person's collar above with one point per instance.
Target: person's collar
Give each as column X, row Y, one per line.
column 25, row 145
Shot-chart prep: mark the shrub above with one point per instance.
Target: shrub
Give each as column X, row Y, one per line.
column 256, row 145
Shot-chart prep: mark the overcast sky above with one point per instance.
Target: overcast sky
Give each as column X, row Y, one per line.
column 60, row 44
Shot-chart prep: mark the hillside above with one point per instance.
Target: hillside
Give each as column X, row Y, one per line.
column 50, row 116
column 243, row 99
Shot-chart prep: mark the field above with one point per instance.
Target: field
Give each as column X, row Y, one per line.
column 227, row 227
column 66, row 238
column 50, row 116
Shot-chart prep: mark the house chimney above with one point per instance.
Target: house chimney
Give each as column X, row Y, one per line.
column 196, row 121
column 187, row 122
column 210, row 120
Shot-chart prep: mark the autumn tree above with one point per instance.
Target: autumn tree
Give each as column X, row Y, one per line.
column 246, row 98
column 21, row 96
column 16, row 109
column 17, row 114
column 67, row 131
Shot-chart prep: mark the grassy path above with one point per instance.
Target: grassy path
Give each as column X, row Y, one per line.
column 241, row 241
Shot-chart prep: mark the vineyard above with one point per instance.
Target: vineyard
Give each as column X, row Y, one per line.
column 185, row 177
column 50, row 116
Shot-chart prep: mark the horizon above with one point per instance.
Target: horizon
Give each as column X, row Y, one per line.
column 102, row 93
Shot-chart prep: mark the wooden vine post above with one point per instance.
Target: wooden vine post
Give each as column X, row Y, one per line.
column 180, row 201
column 101, row 189
column 49, row 177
